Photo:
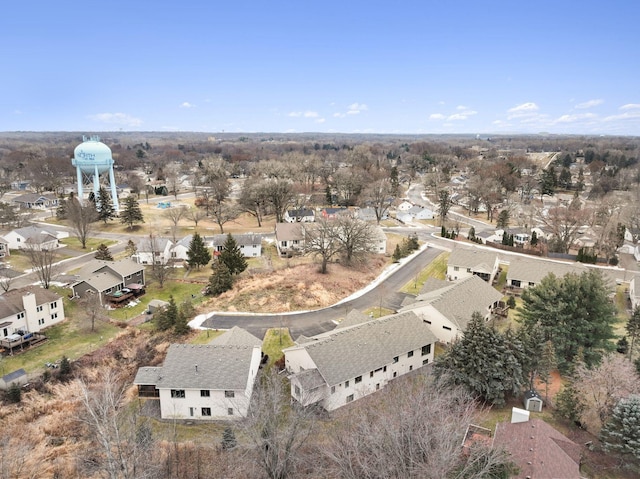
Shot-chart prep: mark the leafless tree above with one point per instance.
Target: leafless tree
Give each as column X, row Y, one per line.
column 124, row 447
column 174, row 215
column 253, row 198
column 320, row 239
column 565, row 222
column 42, row 262
column 172, row 180
column 223, row 213
column 357, row 237
column 276, row 428
column 92, row 309
column 412, row 429
column 82, row 219
column 5, row 280
column 196, row 215
column 379, row 195
column 160, row 272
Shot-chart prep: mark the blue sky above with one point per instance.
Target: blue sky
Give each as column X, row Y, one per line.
column 321, row 66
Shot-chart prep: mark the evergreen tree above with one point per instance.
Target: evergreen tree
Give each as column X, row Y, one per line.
column 131, row 214
column 103, row 253
column 61, row 210
column 167, row 317
column 65, row 366
column 220, row 280
column 104, row 205
column 622, row 346
column 198, row 253
column 228, row 439
column 534, row 238
column 484, row 361
column 131, row 248
column 503, row 219
column 472, row 234
column 574, row 312
column 231, row 255
column 621, row 434
column 14, row 393
column 397, row 254
column 633, row 329
column 569, row 404
column 181, row 325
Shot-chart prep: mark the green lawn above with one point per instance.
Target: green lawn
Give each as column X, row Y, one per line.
column 436, row 269
column 275, row 340
column 205, row 336
column 73, row 243
column 378, row 312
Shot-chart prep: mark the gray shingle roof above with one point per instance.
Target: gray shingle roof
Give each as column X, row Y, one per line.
column 532, row 271
column 458, row 301
column 146, row 245
column 353, row 351
column 353, row 317
column 289, row 231
column 7, row 378
column 236, row 336
column 433, row 284
column 218, row 367
column 475, row 258
column 123, row 267
column 247, row 239
column 101, row 281
column 310, row 379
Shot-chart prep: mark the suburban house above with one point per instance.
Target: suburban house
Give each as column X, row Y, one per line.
column 634, row 292
column 206, row 381
column 369, row 214
column 153, row 250
column 379, row 241
column 29, row 310
column 526, row 272
column 354, row 360
column 179, row 251
column 36, row 201
column 420, row 213
column 249, row 243
column 302, row 215
column 36, row 237
column 289, row 238
column 464, row 262
column 4, row 248
column 448, row 309
column 405, row 206
column 333, row 213
column 108, row 277
column 538, row 449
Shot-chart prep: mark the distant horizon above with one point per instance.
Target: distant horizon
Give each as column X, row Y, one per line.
column 416, row 68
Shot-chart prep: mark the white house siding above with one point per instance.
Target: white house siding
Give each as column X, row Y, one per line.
column 454, row 273
column 441, row 327
column 34, row 317
column 297, row 360
column 190, row 407
column 251, row 251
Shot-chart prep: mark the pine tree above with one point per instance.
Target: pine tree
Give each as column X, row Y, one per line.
column 103, row 253
column 228, row 439
column 65, row 366
column 104, row 205
column 61, row 210
column 181, row 325
column 621, row 434
column 198, row 253
column 231, row 255
column 131, row 214
column 220, row 280
column 633, row 329
column 569, row 404
column 131, row 248
column 534, row 238
column 167, row 317
column 397, row 254
column 14, row 393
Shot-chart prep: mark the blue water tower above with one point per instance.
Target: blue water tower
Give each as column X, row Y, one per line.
column 94, row 166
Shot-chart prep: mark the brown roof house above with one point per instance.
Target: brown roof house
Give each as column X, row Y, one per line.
column 539, row 450
column 206, row 381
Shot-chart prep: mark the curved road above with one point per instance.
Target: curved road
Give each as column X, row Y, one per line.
column 309, row 323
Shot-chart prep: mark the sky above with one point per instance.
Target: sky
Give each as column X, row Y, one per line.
column 350, row 66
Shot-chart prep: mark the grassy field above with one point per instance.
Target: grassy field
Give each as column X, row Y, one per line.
column 19, row 261
column 436, row 269
column 73, row 243
column 275, row 340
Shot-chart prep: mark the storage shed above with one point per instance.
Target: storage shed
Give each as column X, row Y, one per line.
column 16, row 377
column 533, row 401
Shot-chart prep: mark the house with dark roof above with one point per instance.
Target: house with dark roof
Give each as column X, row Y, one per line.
column 448, row 309
column 301, row 215
column 539, row 450
column 333, row 213
column 108, row 277
column 36, row 201
column 249, row 243
column 29, row 310
column 205, row 381
column 357, row 358
column 464, row 262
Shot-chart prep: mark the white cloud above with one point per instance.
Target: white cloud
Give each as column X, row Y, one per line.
column 295, row 114
column 574, row 118
column 121, row 119
column 627, row 115
column 186, row 104
column 320, row 120
column 461, row 107
column 530, row 106
column 630, row 106
column 339, row 115
column 305, row 114
column 436, row 116
column 589, row 104
column 463, row 115
column 311, row 114
column 356, row 108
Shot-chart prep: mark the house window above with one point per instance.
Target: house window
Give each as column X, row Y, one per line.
column 333, row 388
column 230, row 411
column 396, row 359
column 39, row 309
column 410, row 368
column 384, row 369
column 346, row 384
column 206, row 411
column 410, row 354
column 54, row 305
column 107, row 291
column 371, row 374
column 128, row 277
column 446, row 327
column 350, row 398
column 468, row 270
column 173, row 254
column 455, row 268
column 205, row 393
column 297, row 390
column 177, row 393
column 395, row 373
column 515, row 283
column 20, row 315
column 377, row 386
column 531, row 283
column 358, row 379
column 191, row 411
column 425, row 361
column 54, row 316
column 426, row 349
column 40, row 321
column 229, row 394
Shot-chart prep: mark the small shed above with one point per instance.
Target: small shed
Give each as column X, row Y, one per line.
column 156, row 304
column 533, row 401
column 16, row 377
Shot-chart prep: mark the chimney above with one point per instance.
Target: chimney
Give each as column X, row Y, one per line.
column 519, row 415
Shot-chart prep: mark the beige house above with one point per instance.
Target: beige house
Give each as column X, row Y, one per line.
column 29, row 310
column 464, row 262
column 108, row 277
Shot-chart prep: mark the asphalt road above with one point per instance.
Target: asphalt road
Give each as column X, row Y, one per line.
column 384, row 293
